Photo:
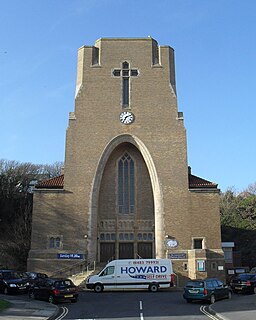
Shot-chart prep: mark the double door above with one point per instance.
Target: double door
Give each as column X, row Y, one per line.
column 126, row 250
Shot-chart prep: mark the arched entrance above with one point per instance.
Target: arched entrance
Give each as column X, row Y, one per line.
column 125, row 218
column 126, row 207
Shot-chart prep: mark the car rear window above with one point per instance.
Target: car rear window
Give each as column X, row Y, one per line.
column 193, row 284
column 64, row 284
column 246, row 276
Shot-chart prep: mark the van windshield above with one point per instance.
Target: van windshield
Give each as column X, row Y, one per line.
column 108, row 271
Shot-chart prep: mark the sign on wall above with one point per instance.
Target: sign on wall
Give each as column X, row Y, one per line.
column 200, row 265
column 70, row 256
column 178, row 255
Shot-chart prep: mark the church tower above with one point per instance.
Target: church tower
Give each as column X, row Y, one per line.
column 127, row 191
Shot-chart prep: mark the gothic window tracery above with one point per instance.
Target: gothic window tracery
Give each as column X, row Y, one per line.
column 126, row 185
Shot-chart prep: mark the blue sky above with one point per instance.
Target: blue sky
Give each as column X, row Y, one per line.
column 215, row 53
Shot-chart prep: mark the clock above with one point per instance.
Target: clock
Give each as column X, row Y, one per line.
column 126, row 117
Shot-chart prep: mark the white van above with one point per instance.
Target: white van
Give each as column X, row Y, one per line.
column 150, row 274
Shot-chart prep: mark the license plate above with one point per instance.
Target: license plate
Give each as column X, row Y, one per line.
column 22, row 288
column 238, row 288
column 68, row 296
column 193, row 291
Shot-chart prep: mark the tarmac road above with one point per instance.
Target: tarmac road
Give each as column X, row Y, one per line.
column 240, row 307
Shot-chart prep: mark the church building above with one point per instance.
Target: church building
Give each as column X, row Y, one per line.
column 127, row 190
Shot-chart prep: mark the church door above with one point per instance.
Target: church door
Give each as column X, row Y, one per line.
column 145, row 250
column 107, row 252
column 126, row 251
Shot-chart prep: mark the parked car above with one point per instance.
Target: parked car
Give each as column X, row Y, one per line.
column 207, row 289
column 245, row 282
column 12, row 282
column 34, row 277
column 54, row 290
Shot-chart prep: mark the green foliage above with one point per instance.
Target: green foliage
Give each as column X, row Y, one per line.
column 4, row 304
column 238, row 222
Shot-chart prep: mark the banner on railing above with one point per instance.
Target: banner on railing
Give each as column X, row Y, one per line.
column 70, row 256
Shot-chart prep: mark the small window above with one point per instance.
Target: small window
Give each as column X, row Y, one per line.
column 116, row 73
column 52, row 242
column 113, row 236
column 198, row 243
column 150, row 237
column 185, row 266
column 102, row 236
column 55, row 242
column 134, row 73
column 125, row 65
column 213, row 266
column 139, row 236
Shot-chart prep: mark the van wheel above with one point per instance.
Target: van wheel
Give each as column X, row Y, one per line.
column 212, row 299
column 98, row 287
column 153, row 287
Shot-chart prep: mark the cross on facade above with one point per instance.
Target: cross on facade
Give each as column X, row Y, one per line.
column 125, row 73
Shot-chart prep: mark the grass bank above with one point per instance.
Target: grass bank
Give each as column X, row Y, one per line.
column 4, row 304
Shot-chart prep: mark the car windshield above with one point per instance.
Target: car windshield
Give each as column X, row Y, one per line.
column 11, row 275
column 64, row 284
column 193, row 284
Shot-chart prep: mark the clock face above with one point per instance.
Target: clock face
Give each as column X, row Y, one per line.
column 126, row 117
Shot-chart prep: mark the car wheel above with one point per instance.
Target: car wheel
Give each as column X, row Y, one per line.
column 6, row 291
column 98, row 287
column 212, row 299
column 74, row 300
column 51, row 299
column 153, row 287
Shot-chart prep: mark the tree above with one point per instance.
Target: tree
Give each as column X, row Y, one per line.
column 238, row 222
column 16, row 201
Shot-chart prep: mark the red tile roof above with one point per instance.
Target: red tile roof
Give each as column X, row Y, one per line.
column 199, row 183
column 194, row 183
column 54, row 183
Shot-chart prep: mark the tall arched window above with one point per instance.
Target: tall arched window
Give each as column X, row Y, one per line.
column 126, row 184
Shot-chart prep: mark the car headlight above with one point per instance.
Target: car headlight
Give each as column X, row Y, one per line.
column 12, row 285
column 27, row 284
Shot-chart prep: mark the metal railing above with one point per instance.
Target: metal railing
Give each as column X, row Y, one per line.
column 76, row 268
